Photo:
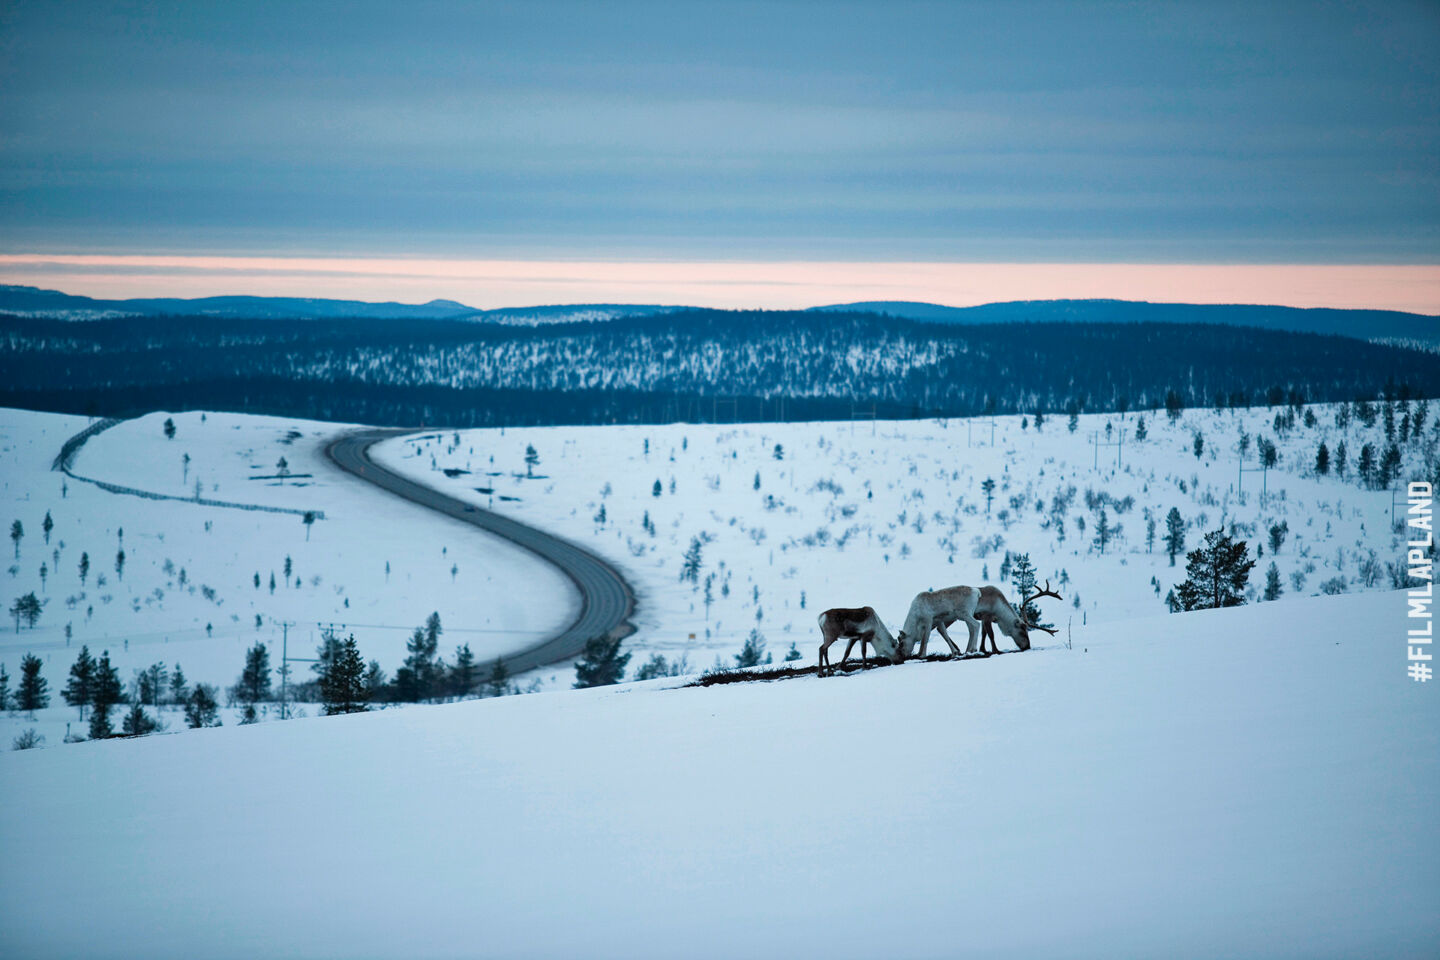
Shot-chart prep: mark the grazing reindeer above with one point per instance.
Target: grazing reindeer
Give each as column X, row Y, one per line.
column 937, row 609
column 855, row 623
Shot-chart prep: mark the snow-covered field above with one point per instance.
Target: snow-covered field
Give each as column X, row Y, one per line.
column 798, row 517
column 1250, row 782
column 843, row 515
column 188, row 596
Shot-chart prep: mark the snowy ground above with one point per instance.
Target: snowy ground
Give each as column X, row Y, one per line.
column 871, row 513
column 482, row 587
column 1250, row 782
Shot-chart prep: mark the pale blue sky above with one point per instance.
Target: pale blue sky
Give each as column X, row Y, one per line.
column 1194, row 132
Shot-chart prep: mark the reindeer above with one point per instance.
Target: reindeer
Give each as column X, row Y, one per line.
column 937, row 609
column 855, row 623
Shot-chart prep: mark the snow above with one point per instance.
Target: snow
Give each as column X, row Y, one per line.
column 870, row 513
column 1253, row 781
column 148, row 615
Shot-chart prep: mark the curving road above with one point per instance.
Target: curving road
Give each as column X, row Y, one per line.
column 606, row 600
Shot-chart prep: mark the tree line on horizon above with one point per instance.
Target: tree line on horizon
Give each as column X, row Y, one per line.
column 695, row 366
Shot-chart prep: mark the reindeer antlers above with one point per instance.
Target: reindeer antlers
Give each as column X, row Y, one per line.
column 1047, row 592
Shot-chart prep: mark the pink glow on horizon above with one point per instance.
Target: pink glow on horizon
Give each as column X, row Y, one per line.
column 780, row 284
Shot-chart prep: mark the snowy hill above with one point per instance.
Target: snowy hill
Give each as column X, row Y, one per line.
column 200, row 584
column 1391, row 326
column 1244, row 782
column 851, row 513
column 793, row 518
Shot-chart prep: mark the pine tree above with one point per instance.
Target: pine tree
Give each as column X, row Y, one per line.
column 1366, row 465
column 26, row 608
column 156, row 676
column 254, row 683
column 1102, row 531
column 201, row 710
column 1269, row 453
column 1322, row 459
column 374, row 681
column 169, row 429
column 33, row 693
column 84, row 567
column 179, row 688
column 416, row 678
column 100, row 728
column 1278, row 533
column 80, row 690
column 690, row 567
column 1173, row 405
column 753, row 652
column 342, row 683
column 1174, row 534
column 793, row 653
column 1341, row 459
column 1039, row 419
column 105, row 690
column 1273, row 589
column 988, row 486
column 654, row 668
column 1216, row 574
column 120, row 564
column 46, row 526
column 658, row 489
column 1199, row 444
column 499, row 683
column 463, row 674
column 1140, row 432
column 1024, row 580
column 532, row 460
column 602, row 664
column 17, row 533
column 4, row 688
column 137, row 722
column 1391, row 466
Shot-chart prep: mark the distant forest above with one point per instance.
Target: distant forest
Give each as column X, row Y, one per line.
column 694, row 365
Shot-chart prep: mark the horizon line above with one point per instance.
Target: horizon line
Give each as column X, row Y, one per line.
column 774, row 284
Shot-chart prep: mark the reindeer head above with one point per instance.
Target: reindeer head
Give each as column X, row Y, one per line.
column 1020, row 633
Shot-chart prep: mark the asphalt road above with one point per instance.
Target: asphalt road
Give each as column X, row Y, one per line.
column 606, row 600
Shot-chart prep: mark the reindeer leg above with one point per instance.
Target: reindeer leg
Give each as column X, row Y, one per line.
column 848, row 647
column 824, row 656
column 954, row 650
column 973, row 626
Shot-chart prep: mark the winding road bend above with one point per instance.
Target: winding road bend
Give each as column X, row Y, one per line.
column 606, row 600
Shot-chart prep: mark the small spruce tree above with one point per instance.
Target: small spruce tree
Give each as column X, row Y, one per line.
column 1216, row 573
column 1273, row 589
column 79, row 690
column 1174, row 534
column 602, row 663
column 499, row 683
column 464, row 673
column 33, row 693
column 201, row 710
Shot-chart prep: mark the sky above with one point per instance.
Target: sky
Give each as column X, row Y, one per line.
column 724, row 140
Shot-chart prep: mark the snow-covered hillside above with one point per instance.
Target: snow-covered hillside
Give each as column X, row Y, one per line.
column 1246, row 782
column 375, row 564
column 794, row 518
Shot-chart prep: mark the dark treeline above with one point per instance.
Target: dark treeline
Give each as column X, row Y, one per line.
column 692, row 365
